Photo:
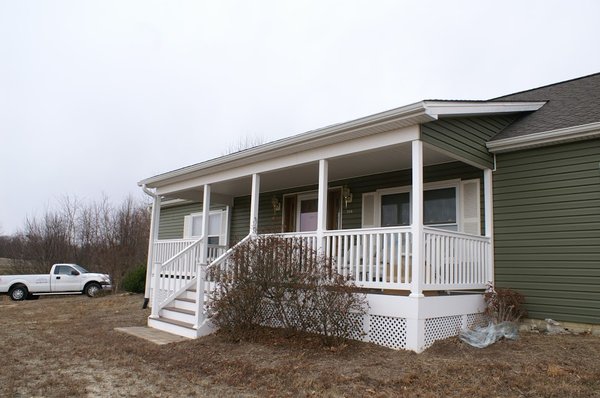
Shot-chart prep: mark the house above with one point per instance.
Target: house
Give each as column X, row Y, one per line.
column 422, row 206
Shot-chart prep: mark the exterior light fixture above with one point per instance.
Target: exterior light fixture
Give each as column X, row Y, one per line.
column 276, row 204
column 347, row 195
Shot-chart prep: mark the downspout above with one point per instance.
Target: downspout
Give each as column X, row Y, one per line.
column 151, row 238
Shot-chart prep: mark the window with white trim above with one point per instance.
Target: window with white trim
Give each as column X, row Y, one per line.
column 445, row 205
column 217, row 226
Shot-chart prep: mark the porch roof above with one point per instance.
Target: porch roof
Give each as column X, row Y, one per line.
column 392, row 120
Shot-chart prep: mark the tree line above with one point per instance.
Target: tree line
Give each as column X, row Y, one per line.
column 98, row 235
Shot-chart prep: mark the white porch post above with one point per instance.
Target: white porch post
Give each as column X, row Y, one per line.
column 489, row 219
column 152, row 238
column 415, row 322
column 202, row 257
column 254, row 204
column 322, row 204
column 417, row 219
column 205, row 219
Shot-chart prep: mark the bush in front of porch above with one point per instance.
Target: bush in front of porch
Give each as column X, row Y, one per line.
column 283, row 282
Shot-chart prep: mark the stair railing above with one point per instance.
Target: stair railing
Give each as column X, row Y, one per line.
column 205, row 284
column 174, row 275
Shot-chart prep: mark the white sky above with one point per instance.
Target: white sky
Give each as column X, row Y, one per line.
column 97, row 95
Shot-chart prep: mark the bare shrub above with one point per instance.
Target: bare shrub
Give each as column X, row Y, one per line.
column 504, row 305
column 281, row 282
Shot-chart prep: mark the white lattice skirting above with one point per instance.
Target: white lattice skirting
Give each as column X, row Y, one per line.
column 412, row 323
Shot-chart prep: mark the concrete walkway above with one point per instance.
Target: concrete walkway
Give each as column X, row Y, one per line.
column 154, row 335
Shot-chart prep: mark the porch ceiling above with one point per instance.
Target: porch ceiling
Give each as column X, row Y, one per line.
column 375, row 161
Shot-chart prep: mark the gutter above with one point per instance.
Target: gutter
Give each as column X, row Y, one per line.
column 567, row 134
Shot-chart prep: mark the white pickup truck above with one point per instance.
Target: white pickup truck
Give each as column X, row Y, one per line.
column 63, row 279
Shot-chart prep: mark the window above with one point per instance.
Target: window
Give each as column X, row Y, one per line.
column 217, row 226
column 395, row 209
column 63, row 270
column 441, row 201
column 439, row 207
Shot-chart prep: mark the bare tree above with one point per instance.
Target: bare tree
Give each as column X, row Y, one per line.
column 103, row 237
column 242, row 143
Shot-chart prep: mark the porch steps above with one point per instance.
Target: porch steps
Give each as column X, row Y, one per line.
column 179, row 318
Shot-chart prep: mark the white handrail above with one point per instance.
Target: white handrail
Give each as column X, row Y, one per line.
column 174, row 279
column 225, row 255
column 203, row 286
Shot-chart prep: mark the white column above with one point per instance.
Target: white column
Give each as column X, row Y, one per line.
column 254, row 204
column 322, row 203
column 417, row 219
column 489, row 218
column 152, row 238
column 201, row 265
column 205, row 219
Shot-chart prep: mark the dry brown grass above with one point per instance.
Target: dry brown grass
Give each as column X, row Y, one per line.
column 67, row 346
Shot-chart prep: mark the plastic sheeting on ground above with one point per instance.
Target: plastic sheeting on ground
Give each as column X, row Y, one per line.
column 483, row 336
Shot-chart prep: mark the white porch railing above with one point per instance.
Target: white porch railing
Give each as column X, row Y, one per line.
column 379, row 258
column 166, row 249
column 221, row 263
column 373, row 257
column 382, row 258
column 455, row 260
column 178, row 272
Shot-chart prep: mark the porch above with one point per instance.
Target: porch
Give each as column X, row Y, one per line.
column 410, row 304
column 423, row 275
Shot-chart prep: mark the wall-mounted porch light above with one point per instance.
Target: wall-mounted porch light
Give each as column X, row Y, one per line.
column 276, row 204
column 347, row 195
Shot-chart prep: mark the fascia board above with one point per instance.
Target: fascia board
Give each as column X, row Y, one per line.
column 575, row 133
column 467, row 108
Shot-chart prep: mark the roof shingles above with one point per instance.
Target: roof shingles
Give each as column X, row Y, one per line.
column 571, row 103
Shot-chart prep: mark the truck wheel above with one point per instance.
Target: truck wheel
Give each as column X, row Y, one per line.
column 92, row 289
column 18, row 293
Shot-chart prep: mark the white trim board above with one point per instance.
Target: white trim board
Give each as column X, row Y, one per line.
column 568, row 134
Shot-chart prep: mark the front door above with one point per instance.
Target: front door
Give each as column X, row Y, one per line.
column 300, row 212
column 308, row 213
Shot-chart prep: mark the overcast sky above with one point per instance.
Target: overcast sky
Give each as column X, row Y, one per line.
column 97, row 95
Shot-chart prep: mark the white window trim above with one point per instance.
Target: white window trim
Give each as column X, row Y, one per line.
column 455, row 183
column 224, row 235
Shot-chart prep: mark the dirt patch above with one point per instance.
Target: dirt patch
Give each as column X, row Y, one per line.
column 67, row 346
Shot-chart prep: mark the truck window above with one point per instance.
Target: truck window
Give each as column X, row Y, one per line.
column 63, row 270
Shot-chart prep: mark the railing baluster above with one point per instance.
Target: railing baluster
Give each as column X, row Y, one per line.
column 365, row 257
column 385, row 259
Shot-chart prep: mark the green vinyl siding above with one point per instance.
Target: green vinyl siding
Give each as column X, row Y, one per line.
column 466, row 137
column 172, row 216
column 270, row 222
column 547, row 229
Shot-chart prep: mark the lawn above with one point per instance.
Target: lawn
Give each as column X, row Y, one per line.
column 67, row 346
